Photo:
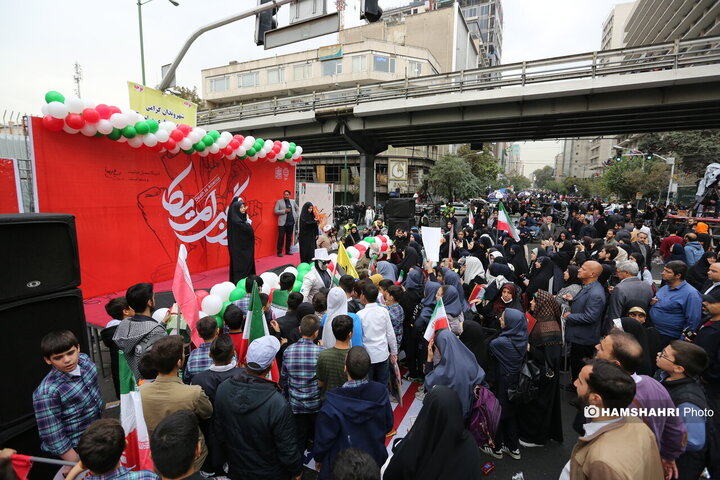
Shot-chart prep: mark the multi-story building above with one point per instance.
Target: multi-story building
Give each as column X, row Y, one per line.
column 659, row 21
column 422, row 41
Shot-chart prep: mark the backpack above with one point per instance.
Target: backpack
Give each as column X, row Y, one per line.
column 484, row 417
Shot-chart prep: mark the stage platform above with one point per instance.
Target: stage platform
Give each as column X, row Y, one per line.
column 96, row 316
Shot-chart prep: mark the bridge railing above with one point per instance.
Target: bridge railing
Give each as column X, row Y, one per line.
column 625, row 61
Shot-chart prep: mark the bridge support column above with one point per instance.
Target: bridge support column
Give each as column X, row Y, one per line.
column 367, row 178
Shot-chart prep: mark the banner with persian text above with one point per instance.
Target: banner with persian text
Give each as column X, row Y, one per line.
column 161, row 106
column 134, row 207
column 10, row 194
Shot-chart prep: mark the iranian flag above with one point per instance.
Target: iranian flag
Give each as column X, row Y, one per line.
column 438, row 320
column 137, row 452
column 505, row 223
column 477, row 292
column 255, row 327
column 184, row 293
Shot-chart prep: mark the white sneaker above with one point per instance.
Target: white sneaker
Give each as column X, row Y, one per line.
column 495, row 452
column 515, row 454
column 529, row 445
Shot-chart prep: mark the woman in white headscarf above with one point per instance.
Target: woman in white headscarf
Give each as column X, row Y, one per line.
column 337, row 305
column 474, row 274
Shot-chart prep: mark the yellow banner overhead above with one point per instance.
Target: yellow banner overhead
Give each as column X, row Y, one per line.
column 160, row 106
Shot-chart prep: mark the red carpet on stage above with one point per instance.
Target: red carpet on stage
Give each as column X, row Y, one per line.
column 95, row 307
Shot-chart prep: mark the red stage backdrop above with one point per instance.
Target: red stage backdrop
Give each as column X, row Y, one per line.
column 10, row 199
column 134, row 207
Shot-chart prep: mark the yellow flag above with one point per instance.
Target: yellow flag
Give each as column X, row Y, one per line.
column 344, row 261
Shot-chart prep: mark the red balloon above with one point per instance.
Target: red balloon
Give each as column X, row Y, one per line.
column 234, row 143
column 170, row 144
column 53, row 124
column 239, row 138
column 384, row 247
column 177, row 135
column 91, row 115
column 114, row 109
column 299, row 159
column 227, row 150
column 75, row 120
column 200, row 294
column 270, row 155
column 185, row 129
column 277, row 143
column 103, row 110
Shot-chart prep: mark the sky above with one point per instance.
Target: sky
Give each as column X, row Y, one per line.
column 42, row 39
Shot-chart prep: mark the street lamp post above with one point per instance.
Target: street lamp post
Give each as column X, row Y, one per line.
column 140, row 27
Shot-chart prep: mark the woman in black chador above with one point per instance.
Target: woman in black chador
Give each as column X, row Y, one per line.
column 241, row 241
column 307, row 235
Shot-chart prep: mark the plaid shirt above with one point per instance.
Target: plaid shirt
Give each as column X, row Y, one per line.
column 65, row 405
column 298, row 378
column 198, row 361
column 243, row 304
column 355, row 383
column 397, row 316
column 123, row 473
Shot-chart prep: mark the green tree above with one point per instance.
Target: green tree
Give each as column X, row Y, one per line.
column 694, row 149
column 483, row 163
column 555, row 186
column 519, row 182
column 191, row 95
column 543, row 176
column 450, row 177
column 635, row 175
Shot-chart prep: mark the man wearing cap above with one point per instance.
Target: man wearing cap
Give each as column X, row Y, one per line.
column 287, row 212
column 254, row 423
column 318, row 277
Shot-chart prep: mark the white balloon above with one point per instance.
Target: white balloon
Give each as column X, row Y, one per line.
column 364, row 243
column 226, row 136
column 139, row 118
column 293, row 270
column 159, row 314
column 121, row 140
column 162, row 135
column 299, row 151
column 296, row 155
column 136, row 142
column 199, row 131
column 249, row 140
column 89, row 130
column 214, row 148
column 175, row 150
column 74, row 104
column 254, row 158
column 204, row 153
column 271, row 160
column 57, row 109
column 333, row 257
column 285, row 145
column 44, row 110
column 232, row 156
column 212, row 304
column 353, row 252
column 150, row 140
column 194, row 136
column 104, row 126
column 202, row 314
column 67, row 129
column 89, row 103
column 167, row 125
column 241, row 151
column 223, row 290
column 222, row 142
column 270, row 280
column 185, row 143
column 268, row 145
column 262, row 153
column 353, row 261
column 118, row 120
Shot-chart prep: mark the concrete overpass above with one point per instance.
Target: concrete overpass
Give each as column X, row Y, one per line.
column 673, row 86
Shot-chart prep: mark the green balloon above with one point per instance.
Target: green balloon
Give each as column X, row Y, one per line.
column 292, row 149
column 214, row 134
column 142, row 128
column 219, row 319
column 259, row 141
column 241, row 283
column 153, row 124
column 251, row 152
column 370, row 239
column 292, row 145
column 199, row 146
column 129, row 132
column 98, row 134
column 222, row 310
column 304, row 267
column 297, row 286
column 208, row 140
column 189, row 152
column 53, row 96
column 115, row 134
column 237, row 294
column 288, row 156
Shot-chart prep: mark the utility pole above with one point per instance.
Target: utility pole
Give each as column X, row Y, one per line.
column 77, row 77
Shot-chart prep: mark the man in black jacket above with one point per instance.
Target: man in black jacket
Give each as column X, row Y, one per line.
column 253, row 421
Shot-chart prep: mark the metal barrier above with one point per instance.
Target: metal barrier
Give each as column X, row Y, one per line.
column 625, row 61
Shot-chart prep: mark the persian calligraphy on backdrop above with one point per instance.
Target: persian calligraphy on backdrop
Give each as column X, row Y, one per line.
column 187, row 214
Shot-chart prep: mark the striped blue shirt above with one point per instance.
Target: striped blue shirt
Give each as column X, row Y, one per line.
column 298, row 377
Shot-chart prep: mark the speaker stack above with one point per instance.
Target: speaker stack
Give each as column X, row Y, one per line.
column 399, row 213
column 39, row 276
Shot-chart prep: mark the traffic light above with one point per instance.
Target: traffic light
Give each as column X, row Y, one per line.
column 264, row 22
column 649, row 156
column 370, row 10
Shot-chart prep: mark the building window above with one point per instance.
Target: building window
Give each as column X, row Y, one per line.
column 332, row 67
column 305, row 173
column 383, row 64
column 246, row 80
column 414, row 69
column 276, row 75
column 333, row 173
column 359, row 63
column 219, row 84
column 302, row 71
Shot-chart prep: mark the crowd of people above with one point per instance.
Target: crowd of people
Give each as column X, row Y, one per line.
column 319, row 385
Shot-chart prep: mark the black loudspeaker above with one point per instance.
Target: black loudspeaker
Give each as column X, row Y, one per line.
column 399, row 208
column 395, row 223
column 23, row 324
column 38, row 255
